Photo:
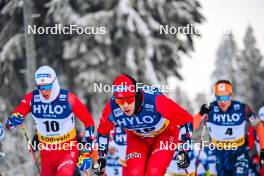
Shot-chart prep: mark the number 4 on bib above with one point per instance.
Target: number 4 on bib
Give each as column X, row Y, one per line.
column 229, row 131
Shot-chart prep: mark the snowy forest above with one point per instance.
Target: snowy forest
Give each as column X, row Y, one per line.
column 244, row 67
column 132, row 44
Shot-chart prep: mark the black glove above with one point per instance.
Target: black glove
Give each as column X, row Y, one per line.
column 98, row 167
column 261, row 159
column 205, row 109
column 183, row 160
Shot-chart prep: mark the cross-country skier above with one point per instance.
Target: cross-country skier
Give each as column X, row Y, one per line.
column 113, row 165
column 53, row 110
column 150, row 119
column 226, row 124
column 253, row 140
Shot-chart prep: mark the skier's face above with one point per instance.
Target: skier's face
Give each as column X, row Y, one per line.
column 224, row 101
column 45, row 90
column 128, row 107
column 112, row 150
column 46, row 93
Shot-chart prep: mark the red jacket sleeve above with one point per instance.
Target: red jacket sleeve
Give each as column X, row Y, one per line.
column 172, row 111
column 25, row 105
column 251, row 137
column 106, row 125
column 80, row 110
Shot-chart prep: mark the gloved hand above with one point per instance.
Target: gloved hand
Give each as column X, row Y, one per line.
column 85, row 161
column 185, row 133
column 183, row 160
column 2, row 132
column 261, row 159
column 205, row 109
column 98, row 167
column 15, row 120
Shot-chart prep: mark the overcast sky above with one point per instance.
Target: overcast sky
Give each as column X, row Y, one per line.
column 221, row 16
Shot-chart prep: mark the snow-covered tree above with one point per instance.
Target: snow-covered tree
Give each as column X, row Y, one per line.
column 225, row 60
column 132, row 44
column 249, row 74
column 182, row 98
column 199, row 100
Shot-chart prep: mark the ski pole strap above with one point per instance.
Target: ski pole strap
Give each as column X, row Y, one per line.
column 185, row 132
column 89, row 138
column 103, row 141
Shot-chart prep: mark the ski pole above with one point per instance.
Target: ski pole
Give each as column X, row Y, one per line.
column 31, row 149
column 201, row 142
column 186, row 172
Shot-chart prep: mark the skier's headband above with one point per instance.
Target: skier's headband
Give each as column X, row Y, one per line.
column 223, row 88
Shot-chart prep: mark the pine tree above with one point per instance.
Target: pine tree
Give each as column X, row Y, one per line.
column 132, row 44
column 199, row 100
column 182, row 98
column 225, row 60
column 249, row 75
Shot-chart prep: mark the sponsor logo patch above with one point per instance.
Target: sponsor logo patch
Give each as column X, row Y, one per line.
column 118, row 112
column 221, row 87
column 236, row 106
column 216, row 109
column 43, row 75
column 36, row 98
column 149, row 106
column 133, row 155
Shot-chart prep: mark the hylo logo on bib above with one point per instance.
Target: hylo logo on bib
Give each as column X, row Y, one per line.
column 135, row 120
column 226, row 117
column 47, row 109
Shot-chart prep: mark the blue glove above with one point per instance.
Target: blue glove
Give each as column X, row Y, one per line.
column 15, row 120
column 2, row 132
column 85, row 161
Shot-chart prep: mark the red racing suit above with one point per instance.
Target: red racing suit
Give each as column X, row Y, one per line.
column 157, row 123
column 55, row 127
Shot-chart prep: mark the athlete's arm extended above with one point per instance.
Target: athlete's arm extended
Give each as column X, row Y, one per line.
column 24, row 106
column 103, row 131
column 172, row 111
column 18, row 115
column 197, row 120
column 204, row 111
column 256, row 123
column 80, row 110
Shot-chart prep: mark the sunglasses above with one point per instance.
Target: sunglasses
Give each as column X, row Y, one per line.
column 121, row 101
column 44, row 87
column 223, row 98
